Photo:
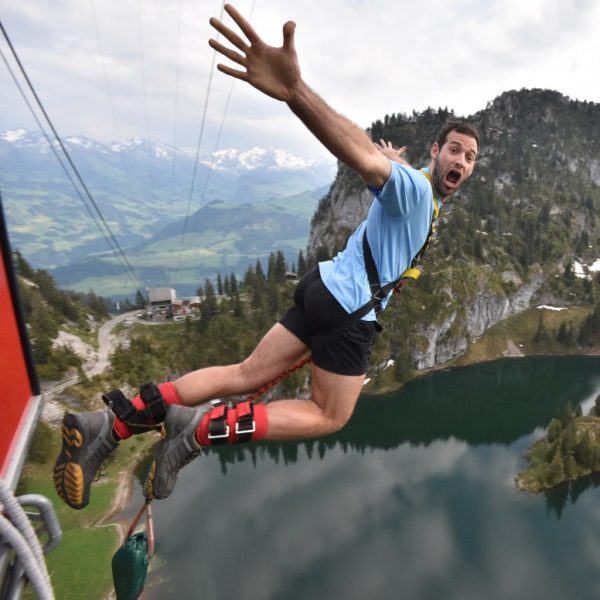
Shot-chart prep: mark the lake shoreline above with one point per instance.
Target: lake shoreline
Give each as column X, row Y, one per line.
column 454, row 366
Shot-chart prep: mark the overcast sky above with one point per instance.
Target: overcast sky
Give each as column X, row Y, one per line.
column 117, row 69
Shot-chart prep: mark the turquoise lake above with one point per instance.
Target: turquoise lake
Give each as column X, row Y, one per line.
column 413, row 499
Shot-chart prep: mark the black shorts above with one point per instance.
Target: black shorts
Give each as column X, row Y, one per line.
column 344, row 350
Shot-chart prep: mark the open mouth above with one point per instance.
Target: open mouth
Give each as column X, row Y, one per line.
column 453, row 177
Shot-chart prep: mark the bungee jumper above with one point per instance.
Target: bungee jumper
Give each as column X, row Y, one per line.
column 334, row 315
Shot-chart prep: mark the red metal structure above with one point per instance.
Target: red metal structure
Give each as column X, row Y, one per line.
column 20, row 402
column 21, row 551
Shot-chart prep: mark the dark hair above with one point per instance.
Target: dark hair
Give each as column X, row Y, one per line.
column 459, row 127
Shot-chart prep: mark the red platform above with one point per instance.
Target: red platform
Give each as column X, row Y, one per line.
column 20, row 400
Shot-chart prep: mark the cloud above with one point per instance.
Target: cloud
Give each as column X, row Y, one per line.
column 116, row 69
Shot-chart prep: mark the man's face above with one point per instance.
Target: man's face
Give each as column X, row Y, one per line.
column 453, row 163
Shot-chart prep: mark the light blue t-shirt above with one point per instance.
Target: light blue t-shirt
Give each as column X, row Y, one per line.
column 397, row 225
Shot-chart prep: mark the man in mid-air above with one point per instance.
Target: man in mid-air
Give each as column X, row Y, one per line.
column 334, row 313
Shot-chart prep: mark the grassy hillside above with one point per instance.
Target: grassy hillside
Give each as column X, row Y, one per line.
column 48, row 309
column 220, row 237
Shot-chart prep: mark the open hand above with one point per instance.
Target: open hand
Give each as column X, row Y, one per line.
column 395, row 154
column 273, row 71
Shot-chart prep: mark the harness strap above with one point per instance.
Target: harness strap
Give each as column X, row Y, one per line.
column 119, row 404
column 138, row 421
column 156, row 409
column 230, row 423
column 218, row 429
column 245, row 426
column 379, row 292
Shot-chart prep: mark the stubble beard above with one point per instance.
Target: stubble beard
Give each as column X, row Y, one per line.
column 437, row 179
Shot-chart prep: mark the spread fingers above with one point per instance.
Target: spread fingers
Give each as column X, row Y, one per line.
column 242, row 23
column 227, row 33
column 230, row 54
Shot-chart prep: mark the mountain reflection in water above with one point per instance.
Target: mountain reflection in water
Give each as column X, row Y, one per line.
column 414, row 498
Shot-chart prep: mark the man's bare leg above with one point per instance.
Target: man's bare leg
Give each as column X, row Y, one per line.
column 187, row 430
column 278, row 351
column 333, row 396
column 331, row 405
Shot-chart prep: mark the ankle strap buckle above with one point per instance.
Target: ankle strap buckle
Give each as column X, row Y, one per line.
column 248, row 427
column 218, row 436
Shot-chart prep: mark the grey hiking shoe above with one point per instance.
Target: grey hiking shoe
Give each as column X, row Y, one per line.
column 87, row 441
column 177, row 448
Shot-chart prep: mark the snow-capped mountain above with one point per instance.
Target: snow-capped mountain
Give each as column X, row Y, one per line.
column 138, row 185
column 270, row 159
column 20, row 138
column 230, row 161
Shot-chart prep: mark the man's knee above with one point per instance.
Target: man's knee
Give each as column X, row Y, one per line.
column 336, row 396
column 333, row 423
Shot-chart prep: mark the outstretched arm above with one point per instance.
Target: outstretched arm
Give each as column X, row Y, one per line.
column 276, row 73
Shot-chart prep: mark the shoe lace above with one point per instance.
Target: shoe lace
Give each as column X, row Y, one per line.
column 101, row 472
column 96, row 461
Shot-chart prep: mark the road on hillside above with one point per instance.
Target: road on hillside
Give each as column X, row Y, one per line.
column 105, row 343
column 105, row 346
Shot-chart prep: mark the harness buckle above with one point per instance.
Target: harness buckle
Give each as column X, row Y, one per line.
column 379, row 295
column 249, row 427
column 218, row 436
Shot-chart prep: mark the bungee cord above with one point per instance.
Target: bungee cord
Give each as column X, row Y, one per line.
column 197, row 157
column 215, row 149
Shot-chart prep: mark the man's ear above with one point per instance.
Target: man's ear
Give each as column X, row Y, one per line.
column 435, row 150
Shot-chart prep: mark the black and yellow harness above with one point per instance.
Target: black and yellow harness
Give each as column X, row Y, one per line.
column 379, row 292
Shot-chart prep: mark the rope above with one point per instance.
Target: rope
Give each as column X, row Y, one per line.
column 20, row 535
column 147, row 509
column 278, row 379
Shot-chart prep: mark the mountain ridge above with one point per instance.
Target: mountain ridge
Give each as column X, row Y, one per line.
column 138, row 185
column 219, row 237
column 510, row 238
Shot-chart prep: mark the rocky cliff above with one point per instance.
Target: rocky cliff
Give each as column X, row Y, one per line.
column 510, row 237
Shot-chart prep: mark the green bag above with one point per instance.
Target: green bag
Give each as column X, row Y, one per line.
column 130, row 562
column 130, row 565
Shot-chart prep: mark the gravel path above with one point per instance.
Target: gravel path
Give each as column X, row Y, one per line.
column 95, row 363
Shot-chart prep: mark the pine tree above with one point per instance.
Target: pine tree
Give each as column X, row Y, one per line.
column 238, row 310
column 249, row 277
column 280, row 267
column 556, row 470
column 563, row 334
column 301, row 264
column 571, row 470
column 542, row 334
column 258, row 294
column 554, row 430
column 569, row 275
column 209, row 304
column 597, row 405
column 259, row 274
column 566, row 414
column 271, row 267
column 219, row 284
column 234, row 285
column 589, row 332
column 584, row 452
column 22, row 267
